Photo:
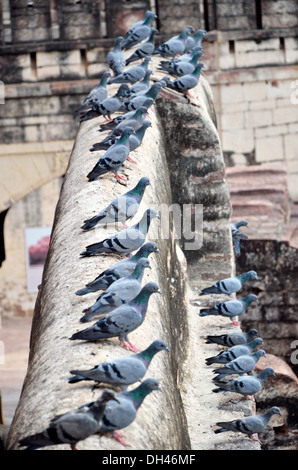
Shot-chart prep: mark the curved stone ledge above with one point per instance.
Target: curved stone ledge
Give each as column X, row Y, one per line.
column 182, row 416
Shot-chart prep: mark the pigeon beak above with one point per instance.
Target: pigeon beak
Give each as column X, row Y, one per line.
column 115, row 399
column 168, row 349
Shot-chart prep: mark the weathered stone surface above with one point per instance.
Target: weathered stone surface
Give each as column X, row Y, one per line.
column 186, row 401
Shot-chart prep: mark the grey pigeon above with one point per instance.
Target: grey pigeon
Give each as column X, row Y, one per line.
column 179, row 68
column 230, row 285
column 133, row 74
column 116, row 57
column 235, row 351
column 145, row 49
column 139, row 32
column 119, row 417
column 232, row 339
column 133, row 119
column 124, row 370
column 125, row 241
column 249, row 425
column 174, row 45
column 147, row 19
column 97, row 94
column 121, row 321
column 122, row 208
column 113, row 158
column 238, row 236
column 108, row 106
column 71, row 427
column 231, row 308
column 187, row 82
column 139, row 100
column 119, row 270
column 141, row 86
column 248, row 385
column 135, row 139
column 195, row 40
column 240, row 365
column 120, row 292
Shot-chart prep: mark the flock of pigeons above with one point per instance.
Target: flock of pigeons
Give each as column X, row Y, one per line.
column 123, row 304
column 240, row 354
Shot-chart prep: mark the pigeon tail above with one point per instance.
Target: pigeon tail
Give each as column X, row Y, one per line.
column 90, row 223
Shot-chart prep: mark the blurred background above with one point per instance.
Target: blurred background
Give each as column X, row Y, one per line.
column 53, row 52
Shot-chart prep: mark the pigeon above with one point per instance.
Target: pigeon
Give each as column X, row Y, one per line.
column 138, row 33
column 240, row 365
column 125, row 241
column 231, row 308
column 235, row 351
column 107, row 106
column 136, row 139
column 122, row 371
column 96, row 95
column 238, row 236
column 180, row 68
column 139, row 100
column 249, row 425
column 116, row 57
column 144, row 49
column 118, row 293
column 147, row 19
column 113, row 158
column 232, row 339
column 143, row 85
column 133, row 119
column 121, row 321
column 133, row 74
column 121, row 269
column 248, row 385
column 195, row 40
column 175, row 45
column 71, row 427
column 119, row 417
column 122, row 208
column 187, row 82
column 230, row 285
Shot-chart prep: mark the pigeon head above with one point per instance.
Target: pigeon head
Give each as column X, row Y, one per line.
column 119, row 40
column 141, row 265
column 152, row 288
column 160, row 345
column 250, row 299
column 150, row 15
column 149, row 247
column 151, row 384
column 275, row 410
column 267, row 372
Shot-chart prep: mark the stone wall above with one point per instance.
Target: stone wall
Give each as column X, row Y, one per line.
column 187, row 407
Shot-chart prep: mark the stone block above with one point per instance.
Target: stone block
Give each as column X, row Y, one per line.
column 245, row 46
column 285, row 115
column 259, row 58
column 48, row 72
column 271, row 131
column 279, row 89
column 291, row 148
column 265, row 104
column 257, row 119
column 238, row 141
column 232, row 120
column 269, row 149
column 232, row 93
column 255, row 91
